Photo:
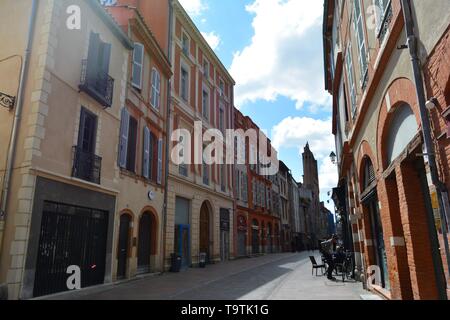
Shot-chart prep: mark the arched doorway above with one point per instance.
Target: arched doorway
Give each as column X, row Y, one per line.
column 146, row 240
column 123, row 245
column 270, row 237
column 370, row 202
column 407, row 196
column 205, row 231
column 255, row 237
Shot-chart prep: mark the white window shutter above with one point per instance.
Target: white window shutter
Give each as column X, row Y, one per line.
column 138, row 62
column 125, row 120
column 146, row 162
column 159, row 175
column 158, row 89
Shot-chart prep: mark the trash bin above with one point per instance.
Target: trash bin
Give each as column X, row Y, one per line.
column 175, row 262
column 202, row 260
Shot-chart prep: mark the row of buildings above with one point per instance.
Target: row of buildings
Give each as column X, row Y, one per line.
column 387, row 67
column 91, row 94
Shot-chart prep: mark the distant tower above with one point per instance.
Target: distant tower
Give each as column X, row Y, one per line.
column 310, row 172
column 311, row 181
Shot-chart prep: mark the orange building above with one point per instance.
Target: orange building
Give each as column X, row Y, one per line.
column 257, row 229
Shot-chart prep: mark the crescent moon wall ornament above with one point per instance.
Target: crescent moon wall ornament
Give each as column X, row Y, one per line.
column 7, row 101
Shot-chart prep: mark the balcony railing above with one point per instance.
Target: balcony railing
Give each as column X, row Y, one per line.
column 99, row 86
column 86, row 166
column 385, row 22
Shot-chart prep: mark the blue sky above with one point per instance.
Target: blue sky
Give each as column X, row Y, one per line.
column 273, row 50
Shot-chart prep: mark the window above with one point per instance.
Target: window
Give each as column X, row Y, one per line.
column 221, row 88
column 254, row 192
column 128, row 139
column 185, row 44
column 382, row 9
column 138, row 65
column 95, row 79
column 238, row 184
column 205, row 172
column 359, row 27
column 221, row 119
column 86, row 164
column 205, row 69
column 205, row 104
column 223, row 177
column 351, row 80
column 147, row 154
column 369, row 173
column 184, row 84
column 156, row 89
column 182, row 168
column 87, row 131
column 244, row 187
column 159, row 165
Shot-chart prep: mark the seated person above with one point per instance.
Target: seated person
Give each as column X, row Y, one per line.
column 339, row 256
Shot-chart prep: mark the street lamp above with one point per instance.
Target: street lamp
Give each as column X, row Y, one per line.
column 333, row 157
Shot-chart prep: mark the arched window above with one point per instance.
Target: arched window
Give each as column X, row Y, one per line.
column 402, row 130
column 369, row 173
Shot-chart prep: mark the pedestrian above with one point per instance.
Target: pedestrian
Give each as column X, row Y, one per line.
column 327, row 251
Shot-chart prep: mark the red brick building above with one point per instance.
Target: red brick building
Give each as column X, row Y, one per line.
column 257, row 229
column 385, row 192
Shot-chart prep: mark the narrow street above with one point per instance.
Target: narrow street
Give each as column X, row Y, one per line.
column 271, row 277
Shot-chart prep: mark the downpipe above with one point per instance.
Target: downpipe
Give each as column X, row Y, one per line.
column 16, row 122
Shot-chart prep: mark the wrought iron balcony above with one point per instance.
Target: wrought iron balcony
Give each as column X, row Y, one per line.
column 385, row 22
column 99, row 85
column 86, row 166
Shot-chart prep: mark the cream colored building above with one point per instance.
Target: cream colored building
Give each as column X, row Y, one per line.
column 62, row 199
column 200, row 198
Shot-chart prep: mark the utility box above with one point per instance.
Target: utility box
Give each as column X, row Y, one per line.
column 175, row 263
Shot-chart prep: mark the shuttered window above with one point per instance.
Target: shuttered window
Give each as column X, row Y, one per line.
column 128, row 139
column 125, row 119
column 146, row 164
column 138, row 65
column 160, row 154
column 369, row 173
column 351, row 79
column 360, row 35
column 156, row 89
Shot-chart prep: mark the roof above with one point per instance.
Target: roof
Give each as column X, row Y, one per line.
column 328, row 8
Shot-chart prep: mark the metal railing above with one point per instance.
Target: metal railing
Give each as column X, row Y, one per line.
column 86, row 166
column 99, row 86
column 385, row 22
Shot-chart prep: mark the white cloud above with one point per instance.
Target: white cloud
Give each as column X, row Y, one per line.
column 212, row 38
column 193, row 7
column 295, row 132
column 284, row 56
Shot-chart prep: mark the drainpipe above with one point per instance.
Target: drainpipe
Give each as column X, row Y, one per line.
column 429, row 152
column 168, row 140
column 16, row 122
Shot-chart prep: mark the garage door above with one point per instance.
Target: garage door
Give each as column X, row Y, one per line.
column 70, row 236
